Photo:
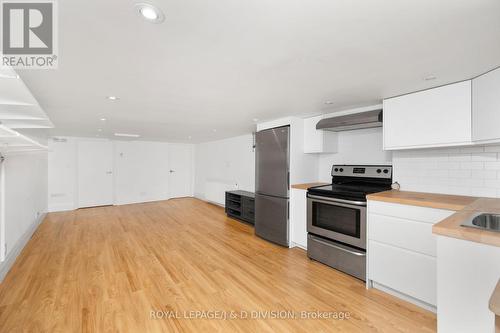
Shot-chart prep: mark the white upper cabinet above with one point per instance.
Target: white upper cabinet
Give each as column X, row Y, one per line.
column 486, row 107
column 436, row 117
column 318, row 141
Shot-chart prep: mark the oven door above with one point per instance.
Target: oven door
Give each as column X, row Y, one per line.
column 339, row 220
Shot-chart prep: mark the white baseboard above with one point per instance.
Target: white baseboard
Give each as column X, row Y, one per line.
column 293, row 244
column 202, row 198
column 9, row 261
column 390, row 291
column 61, row 207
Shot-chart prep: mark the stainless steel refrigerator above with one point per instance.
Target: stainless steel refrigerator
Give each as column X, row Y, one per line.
column 272, row 181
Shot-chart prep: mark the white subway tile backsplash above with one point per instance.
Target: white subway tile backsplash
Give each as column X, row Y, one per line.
column 492, row 149
column 460, row 157
column 465, row 182
column 492, row 165
column 472, row 165
column 492, row 183
column 484, row 174
column 457, row 190
column 441, row 173
column 475, row 149
column 461, row 171
column 483, row 192
column 484, row 157
column 448, row 165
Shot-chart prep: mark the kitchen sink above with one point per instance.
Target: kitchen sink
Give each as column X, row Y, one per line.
column 489, row 222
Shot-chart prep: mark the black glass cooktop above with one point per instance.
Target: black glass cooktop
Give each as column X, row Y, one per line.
column 348, row 191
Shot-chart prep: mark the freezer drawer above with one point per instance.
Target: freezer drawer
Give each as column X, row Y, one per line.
column 271, row 219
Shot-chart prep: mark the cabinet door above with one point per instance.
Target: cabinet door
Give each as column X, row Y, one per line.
column 318, row 141
column 431, row 118
column 408, row 272
column 486, row 106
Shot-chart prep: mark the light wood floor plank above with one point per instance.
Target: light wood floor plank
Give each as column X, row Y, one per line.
column 104, row 269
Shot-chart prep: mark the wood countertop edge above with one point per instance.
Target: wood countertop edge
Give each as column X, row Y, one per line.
column 495, row 300
column 464, row 207
column 422, row 199
column 305, row 186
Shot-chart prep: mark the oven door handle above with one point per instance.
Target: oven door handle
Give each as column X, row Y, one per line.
column 332, row 200
column 356, row 253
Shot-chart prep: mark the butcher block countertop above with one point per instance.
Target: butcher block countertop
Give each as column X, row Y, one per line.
column 431, row 200
column 307, row 185
column 466, row 208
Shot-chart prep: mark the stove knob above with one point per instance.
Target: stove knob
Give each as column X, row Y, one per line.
column 386, row 171
column 336, row 169
column 379, row 171
column 341, row 170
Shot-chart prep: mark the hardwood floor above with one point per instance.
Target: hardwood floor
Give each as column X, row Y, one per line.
column 106, row 269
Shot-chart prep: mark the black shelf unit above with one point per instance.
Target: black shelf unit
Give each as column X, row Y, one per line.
column 241, row 205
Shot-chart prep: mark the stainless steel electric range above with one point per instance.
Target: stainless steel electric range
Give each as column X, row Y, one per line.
column 336, row 216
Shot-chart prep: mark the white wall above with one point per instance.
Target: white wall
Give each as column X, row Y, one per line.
column 463, row 171
column 25, row 201
column 140, row 172
column 224, row 165
column 362, row 146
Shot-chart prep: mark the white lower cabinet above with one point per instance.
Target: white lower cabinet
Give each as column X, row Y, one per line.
column 298, row 218
column 408, row 272
column 467, row 275
column 401, row 250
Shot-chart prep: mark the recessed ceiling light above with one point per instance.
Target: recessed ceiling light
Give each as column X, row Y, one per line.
column 126, row 135
column 430, row 78
column 214, row 130
column 99, row 130
column 189, row 137
column 150, row 12
column 328, row 102
column 113, row 98
column 103, row 119
column 255, row 119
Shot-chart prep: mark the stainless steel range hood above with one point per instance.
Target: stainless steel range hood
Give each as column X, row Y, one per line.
column 353, row 121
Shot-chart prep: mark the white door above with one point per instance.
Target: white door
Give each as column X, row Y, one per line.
column 95, row 173
column 181, row 170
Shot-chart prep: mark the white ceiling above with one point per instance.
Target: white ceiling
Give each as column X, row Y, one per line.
column 220, row 64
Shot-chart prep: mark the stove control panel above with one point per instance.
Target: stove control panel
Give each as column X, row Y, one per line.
column 365, row 171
